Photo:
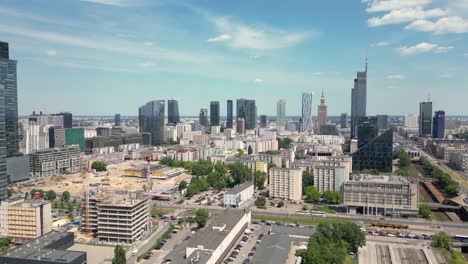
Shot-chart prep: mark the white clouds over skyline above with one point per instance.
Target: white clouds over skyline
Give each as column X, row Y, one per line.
column 395, row 77
column 220, row 38
column 423, row 47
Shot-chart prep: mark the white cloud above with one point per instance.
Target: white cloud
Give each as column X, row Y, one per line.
column 380, row 44
column 51, row 52
column 220, row 38
column 148, row 43
column 258, row 81
column 325, row 73
column 423, row 47
column 445, row 76
column 147, row 64
column 398, row 16
column 388, row 5
column 444, row 25
column 395, row 77
column 119, row 3
column 243, row 36
column 85, row 66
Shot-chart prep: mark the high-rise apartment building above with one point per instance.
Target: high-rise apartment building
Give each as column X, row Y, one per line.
column 358, row 100
column 306, row 123
column 229, row 117
column 203, row 117
column 344, row 120
column 214, row 113
column 286, row 183
column 151, row 120
column 281, row 113
column 117, row 120
column 263, row 121
column 247, row 110
column 330, row 173
column 438, row 126
column 322, row 111
column 173, row 111
column 425, row 119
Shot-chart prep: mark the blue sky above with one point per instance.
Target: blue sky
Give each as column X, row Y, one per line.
column 98, row 57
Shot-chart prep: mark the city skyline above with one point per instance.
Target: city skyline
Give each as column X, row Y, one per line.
column 127, row 52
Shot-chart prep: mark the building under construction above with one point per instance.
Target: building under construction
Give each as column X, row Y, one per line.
column 118, row 217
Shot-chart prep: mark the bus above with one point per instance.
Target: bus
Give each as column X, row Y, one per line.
column 302, row 212
column 462, row 239
column 317, row 213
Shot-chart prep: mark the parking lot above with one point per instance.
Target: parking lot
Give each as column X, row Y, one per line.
column 244, row 249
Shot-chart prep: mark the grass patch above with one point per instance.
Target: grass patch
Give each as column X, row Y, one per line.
column 161, row 238
column 161, row 211
column 292, row 219
column 261, row 207
column 350, row 260
column 324, row 209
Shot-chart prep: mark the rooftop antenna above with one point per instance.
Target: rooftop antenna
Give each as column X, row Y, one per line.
column 366, row 59
column 429, row 96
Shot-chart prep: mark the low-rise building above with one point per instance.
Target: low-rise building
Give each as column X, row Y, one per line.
column 54, row 162
column 381, row 195
column 286, row 183
column 238, row 195
column 25, row 220
column 460, row 161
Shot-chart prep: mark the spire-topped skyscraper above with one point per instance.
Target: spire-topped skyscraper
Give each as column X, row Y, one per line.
column 358, row 100
column 322, row 111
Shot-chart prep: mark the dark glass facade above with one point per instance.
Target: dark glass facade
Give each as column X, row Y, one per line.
column 328, row 129
column 173, row 112
column 214, row 113
column 247, row 110
column 438, row 127
column 151, row 120
column 425, row 119
column 382, row 122
column 344, row 120
column 376, row 154
column 117, row 120
column 203, row 117
column 367, row 130
column 229, row 114
column 263, row 121
column 4, row 53
column 358, row 100
column 67, row 119
column 75, row 136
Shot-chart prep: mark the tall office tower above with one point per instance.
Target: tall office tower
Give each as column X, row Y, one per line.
column 263, row 121
column 344, row 120
column 67, row 119
column 247, row 110
column 382, row 122
column 117, row 120
column 214, row 113
column 438, row 126
column 376, row 154
column 203, row 117
column 367, row 130
column 8, row 78
column 306, row 123
column 151, row 120
column 173, row 112
column 411, row 121
column 425, row 119
column 240, row 126
column 229, row 114
column 358, row 100
column 322, row 111
column 281, row 113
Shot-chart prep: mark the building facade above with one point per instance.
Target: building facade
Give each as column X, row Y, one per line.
column 382, row 122
column 376, row 154
column 344, row 120
column 322, row 111
column 438, row 127
column 214, row 113
column 331, row 173
column 425, row 119
column 173, row 112
column 286, row 183
column 247, row 110
column 203, row 117
column 67, row 119
column 306, row 120
column 151, row 120
column 238, row 195
column 281, row 113
column 358, row 100
column 263, row 121
column 75, row 136
column 411, row 121
column 54, row 162
column 229, row 116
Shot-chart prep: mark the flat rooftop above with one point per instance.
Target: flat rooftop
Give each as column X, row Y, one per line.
column 238, row 188
column 379, row 178
column 274, row 249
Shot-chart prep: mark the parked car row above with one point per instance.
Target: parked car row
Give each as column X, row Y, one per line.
column 398, row 234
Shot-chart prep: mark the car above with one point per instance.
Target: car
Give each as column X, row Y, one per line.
column 148, row 256
column 390, row 235
column 253, row 248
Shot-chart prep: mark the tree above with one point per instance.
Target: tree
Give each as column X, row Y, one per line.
column 119, row 255
column 240, row 153
column 65, row 196
column 9, row 192
column 259, row 179
column 425, row 211
column 442, row 240
column 201, row 217
column 283, row 143
column 280, row 204
column 307, row 180
column 249, row 150
column 99, row 166
column 260, row 202
column 239, row 173
column 182, row 185
column 324, row 250
column 332, row 197
column 312, row 195
column 220, row 168
column 50, row 195
column 201, row 168
column 192, row 189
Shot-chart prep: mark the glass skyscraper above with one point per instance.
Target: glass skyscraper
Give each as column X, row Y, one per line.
column 425, row 119
column 214, row 113
column 281, row 113
column 376, row 154
column 263, row 121
column 67, row 119
column 358, row 100
column 173, row 112
column 151, row 120
column 306, row 123
column 229, row 114
column 438, row 126
column 117, row 120
column 247, row 110
column 344, row 120
column 203, row 117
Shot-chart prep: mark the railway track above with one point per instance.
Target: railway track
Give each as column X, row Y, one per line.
column 383, row 254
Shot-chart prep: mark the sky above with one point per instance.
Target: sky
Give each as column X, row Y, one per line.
column 100, row 57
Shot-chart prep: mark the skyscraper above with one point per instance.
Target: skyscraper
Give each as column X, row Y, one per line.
column 173, row 112
column 151, row 120
column 425, row 119
column 281, row 113
column 376, row 154
column 229, row 114
column 247, row 110
column 367, row 130
column 306, row 123
column 438, row 126
column 344, row 120
column 322, row 111
column 117, row 120
column 240, row 126
column 8, row 78
column 358, row 100
column 67, row 119
column 263, row 121
column 214, row 113
column 203, row 117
